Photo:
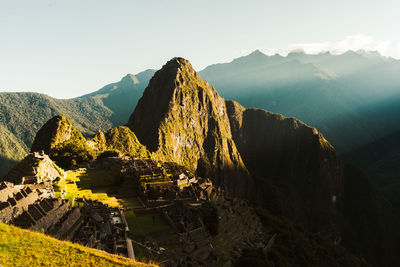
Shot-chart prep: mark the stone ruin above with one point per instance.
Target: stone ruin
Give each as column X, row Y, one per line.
column 35, row 207
column 35, row 168
column 16, row 199
column 27, row 200
column 104, row 228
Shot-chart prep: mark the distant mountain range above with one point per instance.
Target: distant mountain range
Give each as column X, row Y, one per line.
column 352, row 98
column 280, row 165
column 22, row 114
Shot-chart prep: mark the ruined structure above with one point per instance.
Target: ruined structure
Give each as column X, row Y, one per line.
column 15, row 199
column 35, row 168
column 104, row 228
column 43, row 215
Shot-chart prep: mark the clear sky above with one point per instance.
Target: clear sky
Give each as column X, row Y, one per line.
column 67, row 48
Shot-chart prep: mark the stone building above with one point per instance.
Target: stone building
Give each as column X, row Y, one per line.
column 35, row 168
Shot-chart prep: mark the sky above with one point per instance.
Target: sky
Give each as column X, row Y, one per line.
column 69, row 48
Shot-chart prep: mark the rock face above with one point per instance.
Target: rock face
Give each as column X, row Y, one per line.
column 182, row 118
column 297, row 174
column 55, row 131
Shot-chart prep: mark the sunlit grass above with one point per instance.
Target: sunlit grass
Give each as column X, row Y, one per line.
column 24, row 248
column 76, row 181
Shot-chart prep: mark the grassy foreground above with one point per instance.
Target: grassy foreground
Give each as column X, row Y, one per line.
column 20, row 247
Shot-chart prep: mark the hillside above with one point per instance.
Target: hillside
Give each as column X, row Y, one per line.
column 351, row 98
column 25, row 248
column 298, row 175
column 22, row 114
column 11, row 150
column 380, row 160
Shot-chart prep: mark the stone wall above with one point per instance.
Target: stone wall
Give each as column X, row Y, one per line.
column 6, row 190
column 17, row 203
column 52, row 217
column 43, row 214
column 66, row 223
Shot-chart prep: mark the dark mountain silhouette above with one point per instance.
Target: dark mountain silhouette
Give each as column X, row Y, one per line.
column 380, row 160
column 298, row 175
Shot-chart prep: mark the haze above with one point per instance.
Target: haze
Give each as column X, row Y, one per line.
column 70, row 48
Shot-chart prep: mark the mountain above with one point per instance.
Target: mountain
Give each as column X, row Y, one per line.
column 351, row 98
column 279, row 164
column 11, row 151
column 66, row 145
column 285, row 166
column 182, row 118
column 121, row 97
column 380, row 159
column 22, row 114
column 298, row 175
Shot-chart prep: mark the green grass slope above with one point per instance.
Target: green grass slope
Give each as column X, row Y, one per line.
column 11, row 150
column 24, row 248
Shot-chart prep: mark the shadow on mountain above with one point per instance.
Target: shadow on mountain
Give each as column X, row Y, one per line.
column 5, row 165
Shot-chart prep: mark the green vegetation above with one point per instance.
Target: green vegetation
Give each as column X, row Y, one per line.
column 146, row 224
column 23, row 114
column 72, row 152
column 151, row 227
column 79, row 183
column 186, row 122
column 122, row 139
column 11, row 150
column 24, row 248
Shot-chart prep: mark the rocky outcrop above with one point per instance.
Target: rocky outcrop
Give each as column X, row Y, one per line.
column 297, row 174
column 181, row 118
column 55, row 131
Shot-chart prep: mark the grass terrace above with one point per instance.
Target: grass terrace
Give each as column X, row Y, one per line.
column 25, row 248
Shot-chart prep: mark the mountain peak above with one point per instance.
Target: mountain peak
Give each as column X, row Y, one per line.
column 130, row 78
column 55, row 131
column 179, row 64
column 257, row 52
column 181, row 118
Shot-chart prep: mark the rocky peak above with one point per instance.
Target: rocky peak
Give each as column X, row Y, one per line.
column 55, row 131
column 181, row 118
column 130, row 78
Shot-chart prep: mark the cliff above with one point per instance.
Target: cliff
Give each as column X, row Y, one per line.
column 181, row 118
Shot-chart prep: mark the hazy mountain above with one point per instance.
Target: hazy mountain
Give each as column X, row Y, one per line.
column 122, row 97
column 22, row 114
column 345, row 96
